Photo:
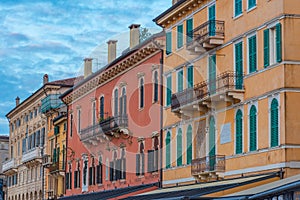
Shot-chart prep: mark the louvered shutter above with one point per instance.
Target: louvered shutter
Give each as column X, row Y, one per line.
column 189, row 30
column 266, row 47
column 278, row 43
column 274, row 123
column 169, row 43
column 179, row 36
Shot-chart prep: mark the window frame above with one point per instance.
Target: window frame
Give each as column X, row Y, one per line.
column 169, row 40
column 276, row 97
column 255, row 104
column 177, row 80
column 141, row 93
column 235, row 15
column 168, row 104
column 235, row 130
column 251, row 8
column 179, row 41
column 248, row 53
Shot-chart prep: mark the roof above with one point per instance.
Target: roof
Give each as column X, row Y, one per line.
column 69, row 82
column 200, row 189
column 168, row 10
column 122, row 56
column 110, row 193
column 270, row 188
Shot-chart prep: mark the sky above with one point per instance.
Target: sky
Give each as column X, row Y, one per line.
column 53, row 37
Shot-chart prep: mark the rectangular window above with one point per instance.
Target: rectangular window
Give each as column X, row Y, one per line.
column 252, row 54
column 180, row 80
column 190, row 77
column 79, row 121
column 179, row 36
column 239, row 65
column 169, row 43
column 238, row 7
column 251, row 4
column 169, row 90
column 189, row 30
column 266, row 48
column 272, row 45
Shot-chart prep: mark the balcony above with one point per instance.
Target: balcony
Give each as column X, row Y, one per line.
column 9, row 166
column 50, row 102
column 47, row 161
column 108, row 127
column 210, row 166
column 57, row 167
column 32, row 155
column 207, row 36
column 227, row 86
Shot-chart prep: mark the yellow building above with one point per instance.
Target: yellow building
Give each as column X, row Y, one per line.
column 231, row 89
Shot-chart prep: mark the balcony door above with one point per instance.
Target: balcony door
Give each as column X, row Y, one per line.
column 212, row 144
column 212, row 20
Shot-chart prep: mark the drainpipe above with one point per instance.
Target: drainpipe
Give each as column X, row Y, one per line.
column 161, row 118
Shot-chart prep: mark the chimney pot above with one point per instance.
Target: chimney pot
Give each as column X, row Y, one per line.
column 112, row 50
column 87, row 67
column 17, row 101
column 134, row 35
column 45, row 79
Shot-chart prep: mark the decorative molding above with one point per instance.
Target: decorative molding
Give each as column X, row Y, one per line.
column 155, row 67
column 78, row 107
column 122, row 84
column 140, row 74
column 155, row 134
column 140, row 139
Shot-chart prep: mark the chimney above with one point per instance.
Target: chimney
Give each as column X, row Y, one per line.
column 112, row 50
column 17, row 101
column 87, row 67
column 45, row 79
column 134, row 35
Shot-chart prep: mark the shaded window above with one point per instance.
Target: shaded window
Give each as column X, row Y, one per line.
column 101, row 108
column 155, row 91
column 142, row 90
column 253, row 128
column 140, row 160
column 168, row 150
column 123, row 102
column 116, row 101
column 189, row 142
column 274, row 123
column 179, row 147
column 239, row 132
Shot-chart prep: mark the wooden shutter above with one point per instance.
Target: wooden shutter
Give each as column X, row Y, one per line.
column 180, row 80
column 168, row 150
column 266, row 47
column 189, row 30
column 278, row 43
column 274, row 123
column 179, row 147
column 212, row 74
column 169, row 90
column 238, row 7
column 169, row 43
column 179, row 36
column 252, row 54
column 189, row 142
column 251, row 3
column 239, row 132
column 212, row 22
column 190, row 78
column 239, row 65
column 253, row 128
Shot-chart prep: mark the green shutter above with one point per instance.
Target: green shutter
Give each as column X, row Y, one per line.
column 238, row 7
column 274, row 123
column 266, row 47
column 251, row 3
column 278, row 43
column 180, row 80
column 212, row 144
column 169, row 90
column 179, row 36
column 253, row 126
column 239, row 132
column 239, row 65
column 212, row 22
column 190, row 78
column 54, row 155
column 168, row 150
column 189, row 142
column 179, row 147
column 252, row 54
column 189, row 30
column 169, row 43
column 212, row 74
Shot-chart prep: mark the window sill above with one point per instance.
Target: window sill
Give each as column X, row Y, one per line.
column 237, row 16
column 141, row 109
column 168, row 55
column 252, row 8
column 180, row 48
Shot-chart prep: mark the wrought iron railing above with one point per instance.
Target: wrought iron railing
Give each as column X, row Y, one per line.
column 208, row 164
column 105, row 126
column 211, row 28
column 57, row 167
column 223, row 83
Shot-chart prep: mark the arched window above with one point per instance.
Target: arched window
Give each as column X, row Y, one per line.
column 212, row 143
column 101, row 108
column 123, row 164
column 107, row 169
column 239, row 132
column 140, row 160
column 94, row 112
column 189, row 144
column 168, row 150
column 99, row 170
column 142, row 93
column 155, row 87
column 274, row 123
column 179, row 147
column 123, row 102
column 116, row 101
column 253, row 126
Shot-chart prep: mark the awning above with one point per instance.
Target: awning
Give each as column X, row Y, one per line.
column 197, row 190
column 113, row 194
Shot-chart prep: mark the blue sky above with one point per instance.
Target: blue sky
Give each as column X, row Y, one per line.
column 54, row 36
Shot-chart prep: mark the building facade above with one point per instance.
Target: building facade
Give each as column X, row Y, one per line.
column 4, row 155
column 114, row 122
column 230, row 70
column 27, row 143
